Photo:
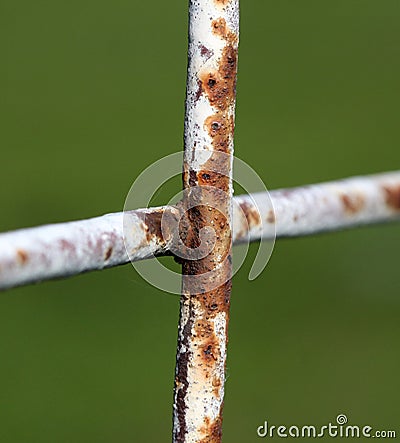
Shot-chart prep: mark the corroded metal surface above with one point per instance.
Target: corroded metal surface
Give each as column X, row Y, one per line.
column 318, row 208
column 66, row 249
column 206, row 220
column 60, row 250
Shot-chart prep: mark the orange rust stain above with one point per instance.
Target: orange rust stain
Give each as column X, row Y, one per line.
column 218, row 180
column 220, row 29
column 392, row 196
column 252, row 215
column 216, row 170
column 220, row 128
column 222, row 3
column 352, row 203
column 216, row 383
column 210, row 351
column 220, row 85
column 212, row 430
column 22, row 256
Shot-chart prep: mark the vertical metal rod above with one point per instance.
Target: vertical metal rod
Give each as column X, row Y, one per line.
column 206, row 229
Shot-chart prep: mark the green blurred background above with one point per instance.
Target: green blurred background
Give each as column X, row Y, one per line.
column 92, row 92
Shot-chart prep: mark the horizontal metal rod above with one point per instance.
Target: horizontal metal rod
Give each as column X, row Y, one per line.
column 66, row 249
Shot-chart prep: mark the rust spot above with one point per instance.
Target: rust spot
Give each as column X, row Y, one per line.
column 215, row 126
column 22, row 256
column 220, row 85
column 108, row 253
column 215, row 179
column 271, row 216
column 220, row 128
column 216, row 385
column 212, row 430
column 251, row 213
column 222, row 3
column 220, row 29
column 216, row 382
column 211, row 82
column 152, row 225
column 392, row 196
column 352, row 203
column 210, row 349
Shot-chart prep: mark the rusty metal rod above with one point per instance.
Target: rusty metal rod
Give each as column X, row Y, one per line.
column 322, row 207
column 207, row 221
column 66, row 249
